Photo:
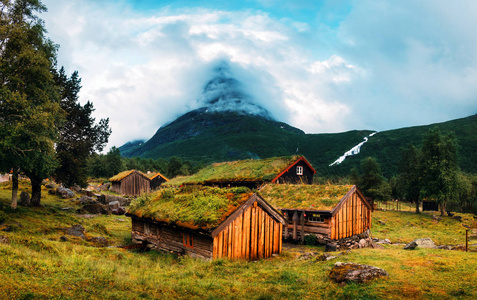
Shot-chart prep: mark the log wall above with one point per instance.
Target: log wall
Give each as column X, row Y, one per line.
column 353, row 218
column 171, row 239
column 254, row 234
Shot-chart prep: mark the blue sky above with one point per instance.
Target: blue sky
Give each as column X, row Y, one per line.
column 322, row 66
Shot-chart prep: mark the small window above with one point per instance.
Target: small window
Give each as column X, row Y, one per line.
column 299, row 170
column 188, row 240
column 315, row 218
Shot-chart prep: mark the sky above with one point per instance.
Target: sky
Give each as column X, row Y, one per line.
column 322, row 66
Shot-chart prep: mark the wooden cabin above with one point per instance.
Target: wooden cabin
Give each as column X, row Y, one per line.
column 208, row 222
column 131, row 183
column 332, row 211
column 156, row 180
column 252, row 173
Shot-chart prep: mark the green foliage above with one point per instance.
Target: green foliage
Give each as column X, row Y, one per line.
column 370, row 180
column 3, row 217
column 311, row 240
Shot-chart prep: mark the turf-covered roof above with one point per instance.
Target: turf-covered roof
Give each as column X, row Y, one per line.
column 193, row 207
column 304, row 196
column 125, row 174
column 249, row 170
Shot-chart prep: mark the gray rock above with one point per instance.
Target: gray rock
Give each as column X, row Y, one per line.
column 105, row 199
column 99, row 241
column 24, row 199
column 325, row 257
column 86, row 200
column 421, row 243
column 118, row 211
column 51, row 185
column 388, row 241
column 76, row 230
column 331, row 247
column 362, row 243
column 114, row 204
column 95, row 208
column 351, row 272
column 65, row 193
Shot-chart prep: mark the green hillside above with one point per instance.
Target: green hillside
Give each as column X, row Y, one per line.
column 206, row 137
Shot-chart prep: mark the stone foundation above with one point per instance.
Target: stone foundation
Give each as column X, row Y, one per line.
column 362, row 240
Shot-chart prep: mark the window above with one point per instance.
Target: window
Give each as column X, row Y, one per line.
column 188, row 240
column 299, row 170
column 315, row 218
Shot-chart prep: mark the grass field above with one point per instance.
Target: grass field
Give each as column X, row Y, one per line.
column 37, row 264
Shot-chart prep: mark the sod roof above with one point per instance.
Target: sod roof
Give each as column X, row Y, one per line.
column 193, row 207
column 303, row 196
column 250, row 170
column 125, row 174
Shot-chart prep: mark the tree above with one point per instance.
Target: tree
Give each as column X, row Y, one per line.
column 439, row 168
column 29, row 108
column 370, row 180
column 410, row 174
column 114, row 162
column 79, row 135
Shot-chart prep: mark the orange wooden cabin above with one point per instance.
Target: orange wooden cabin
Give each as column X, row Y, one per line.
column 244, row 227
column 332, row 211
column 132, row 183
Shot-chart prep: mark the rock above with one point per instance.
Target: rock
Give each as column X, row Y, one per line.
column 76, row 188
column 445, row 247
column 306, row 255
column 4, row 239
column 387, row 241
column 362, row 243
column 95, row 208
column 52, row 192
column 87, row 200
column 65, row 193
column 381, row 222
column 114, row 204
column 421, row 243
column 51, row 185
column 24, row 199
column 436, row 218
column 63, row 238
column 105, row 199
column 99, row 241
column 76, row 230
column 351, row 272
column 325, row 257
column 118, row 211
column 331, row 247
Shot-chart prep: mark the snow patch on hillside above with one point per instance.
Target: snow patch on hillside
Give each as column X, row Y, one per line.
column 353, row 151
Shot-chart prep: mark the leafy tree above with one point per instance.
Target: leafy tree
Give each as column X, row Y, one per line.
column 410, row 174
column 79, row 136
column 114, row 162
column 29, row 108
column 439, row 168
column 370, row 180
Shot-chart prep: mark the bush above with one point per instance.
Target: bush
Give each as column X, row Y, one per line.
column 311, row 240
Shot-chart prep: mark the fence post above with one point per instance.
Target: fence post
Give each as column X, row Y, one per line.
column 466, row 240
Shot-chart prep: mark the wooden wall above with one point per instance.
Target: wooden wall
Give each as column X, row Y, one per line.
column 298, row 225
column 254, row 234
column 291, row 177
column 171, row 239
column 132, row 185
column 353, row 218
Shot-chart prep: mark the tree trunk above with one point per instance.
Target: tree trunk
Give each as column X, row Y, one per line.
column 35, row 191
column 417, row 207
column 14, row 188
column 443, row 209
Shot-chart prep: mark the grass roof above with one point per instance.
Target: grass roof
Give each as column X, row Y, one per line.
column 242, row 170
column 125, row 174
column 193, row 207
column 303, row 196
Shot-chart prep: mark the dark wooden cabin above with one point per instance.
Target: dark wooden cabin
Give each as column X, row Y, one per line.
column 332, row 211
column 131, row 183
column 252, row 173
column 209, row 223
column 157, row 179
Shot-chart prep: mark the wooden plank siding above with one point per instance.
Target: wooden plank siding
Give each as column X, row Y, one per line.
column 253, row 235
column 133, row 185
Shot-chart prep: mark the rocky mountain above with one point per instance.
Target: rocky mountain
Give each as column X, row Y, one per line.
column 230, row 126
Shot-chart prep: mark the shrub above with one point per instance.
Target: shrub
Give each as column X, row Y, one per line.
column 3, row 217
column 311, row 240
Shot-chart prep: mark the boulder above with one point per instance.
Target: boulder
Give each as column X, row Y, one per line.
column 118, row 211
column 421, row 243
column 76, row 230
column 362, row 243
column 331, row 247
column 325, row 257
column 351, row 272
column 105, row 199
column 95, row 208
column 113, row 204
column 86, row 200
column 65, row 193
column 99, row 241
column 24, row 199
column 51, row 185
column 76, row 188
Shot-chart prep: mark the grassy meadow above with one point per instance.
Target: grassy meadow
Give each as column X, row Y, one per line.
column 37, row 263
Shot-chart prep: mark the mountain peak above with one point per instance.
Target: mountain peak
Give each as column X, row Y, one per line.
column 224, row 93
